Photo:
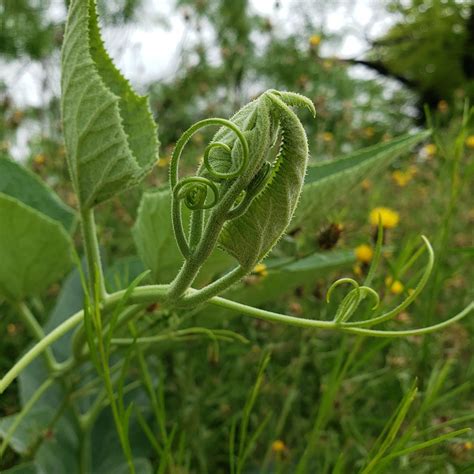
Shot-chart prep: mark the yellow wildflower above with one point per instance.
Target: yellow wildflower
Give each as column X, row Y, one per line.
column 163, row 162
column 366, row 184
column 470, row 141
column 468, row 445
column 389, row 217
column 278, row 446
column 443, row 106
column 395, row 286
column 327, row 64
column 260, row 269
column 402, row 178
column 314, row 40
column 328, row 137
column 39, row 159
column 364, row 253
column 369, row 132
column 12, row 329
column 430, row 149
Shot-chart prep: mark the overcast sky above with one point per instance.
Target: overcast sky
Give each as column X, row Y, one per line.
column 145, row 51
column 148, row 49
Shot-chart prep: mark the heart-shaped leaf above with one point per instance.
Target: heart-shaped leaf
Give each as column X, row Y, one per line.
column 111, row 138
column 20, row 183
column 34, row 250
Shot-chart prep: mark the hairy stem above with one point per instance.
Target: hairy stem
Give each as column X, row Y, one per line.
column 159, row 293
column 213, row 289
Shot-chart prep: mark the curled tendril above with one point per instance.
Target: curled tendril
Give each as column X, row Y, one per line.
column 353, row 299
column 409, row 300
column 186, row 136
column 216, row 174
column 193, row 191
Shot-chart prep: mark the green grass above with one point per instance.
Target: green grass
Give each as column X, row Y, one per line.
column 337, row 403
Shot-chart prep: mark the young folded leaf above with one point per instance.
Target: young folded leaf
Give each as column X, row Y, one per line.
column 243, row 197
column 111, row 138
column 252, row 235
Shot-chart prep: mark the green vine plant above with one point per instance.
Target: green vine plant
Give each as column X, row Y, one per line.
column 240, row 202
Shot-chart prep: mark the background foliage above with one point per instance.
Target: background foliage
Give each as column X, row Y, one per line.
column 324, row 398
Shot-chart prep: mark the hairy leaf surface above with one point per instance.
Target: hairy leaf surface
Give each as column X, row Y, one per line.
column 252, row 235
column 19, row 182
column 110, row 135
column 327, row 181
column 35, row 250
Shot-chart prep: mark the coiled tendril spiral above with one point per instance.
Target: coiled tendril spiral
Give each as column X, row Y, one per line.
column 194, row 191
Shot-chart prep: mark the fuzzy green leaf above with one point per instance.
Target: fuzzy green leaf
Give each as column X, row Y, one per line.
column 327, row 181
column 19, row 182
column 154, row 239
column 252, row 235
column 110, row 135
column 34, row 250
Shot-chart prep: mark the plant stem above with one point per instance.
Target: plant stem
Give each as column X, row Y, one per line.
column 91, row 248
column 213, row 289
column 24, row 412
column 39, row 347
column 159, row 293
column 79, row 338
column 37, row 332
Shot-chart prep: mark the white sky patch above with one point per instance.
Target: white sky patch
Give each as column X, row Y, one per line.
column 150, row 49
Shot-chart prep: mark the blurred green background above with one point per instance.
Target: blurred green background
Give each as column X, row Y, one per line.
column 374, row 70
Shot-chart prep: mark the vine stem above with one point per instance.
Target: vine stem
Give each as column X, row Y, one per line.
column 91, row 248
column 24, row 412
column 37, row 332
column 159, row 293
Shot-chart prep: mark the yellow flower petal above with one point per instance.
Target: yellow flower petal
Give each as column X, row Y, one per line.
column 470, row 141
column 328, row 137
column 401, row 178
column 430, row 149
column 396, row 287
column 278, row 446
column 389, row 217
column 163, row 162
column 364, row 253
column 260, row 269
column 314, row 40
